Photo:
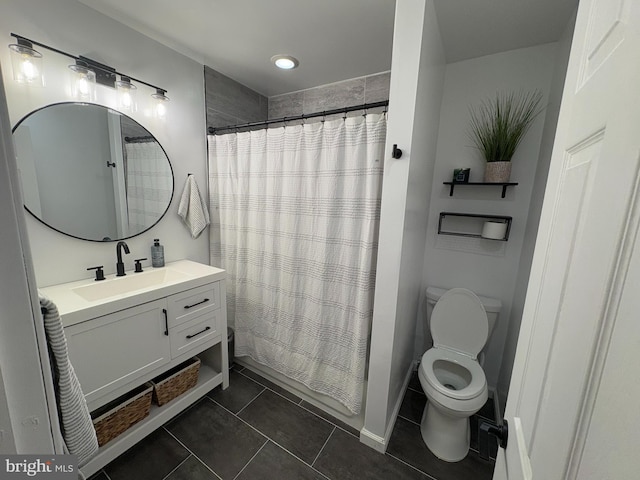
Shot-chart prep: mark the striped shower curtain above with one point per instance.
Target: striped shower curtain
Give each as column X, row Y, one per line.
column 295, row 214
column 149, row 185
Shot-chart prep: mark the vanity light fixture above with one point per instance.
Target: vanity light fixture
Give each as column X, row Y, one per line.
column 126, row 94
column 160, row 109
column 285, row 62
column 26, row 63
column 27, row 68
column 83, row 81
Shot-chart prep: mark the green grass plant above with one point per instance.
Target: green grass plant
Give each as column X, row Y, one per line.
column 498, row 125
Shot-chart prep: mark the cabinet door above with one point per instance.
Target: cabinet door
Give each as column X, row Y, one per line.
column 111, row 351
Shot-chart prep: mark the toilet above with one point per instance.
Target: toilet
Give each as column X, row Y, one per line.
column 450, row 372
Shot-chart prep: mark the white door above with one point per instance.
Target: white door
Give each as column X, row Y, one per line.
column 567, row 418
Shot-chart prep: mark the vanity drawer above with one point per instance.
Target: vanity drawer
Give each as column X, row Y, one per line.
column 187, row 305
column 197, row 331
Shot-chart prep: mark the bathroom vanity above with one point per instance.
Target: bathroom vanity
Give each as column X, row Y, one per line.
column 125, row 331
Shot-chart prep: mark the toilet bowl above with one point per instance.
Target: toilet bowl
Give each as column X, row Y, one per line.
column 450, row 374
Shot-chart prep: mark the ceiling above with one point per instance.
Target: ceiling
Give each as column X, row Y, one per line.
column 333, row 39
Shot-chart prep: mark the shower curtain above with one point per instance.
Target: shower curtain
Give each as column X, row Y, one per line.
column 148, row 190
column 295, row 214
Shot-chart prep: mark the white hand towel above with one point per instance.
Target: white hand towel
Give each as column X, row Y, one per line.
column 192, row 209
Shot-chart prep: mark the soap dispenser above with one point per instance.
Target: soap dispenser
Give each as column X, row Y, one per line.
column 157, row 253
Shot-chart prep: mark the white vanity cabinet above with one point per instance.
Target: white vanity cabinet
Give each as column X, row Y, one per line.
column 120, row 340
column 110, row 352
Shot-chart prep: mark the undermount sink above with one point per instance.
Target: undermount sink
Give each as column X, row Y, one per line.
column 129, row 283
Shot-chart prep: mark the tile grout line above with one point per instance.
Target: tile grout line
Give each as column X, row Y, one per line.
column 323, row 445
column 298, row 404
column 416, row 391
column 189, row 450
column 408, row 420
column 178, row 466
column 251, row 401
column 329, row 421
column 431, row 477
column 271, row 389
column 268, row 438
column 251, row 459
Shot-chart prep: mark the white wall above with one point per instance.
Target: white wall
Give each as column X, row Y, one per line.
column 535, row 208
column 25, row 425
column 486, row 267
column 417, row 74
column 77, row 29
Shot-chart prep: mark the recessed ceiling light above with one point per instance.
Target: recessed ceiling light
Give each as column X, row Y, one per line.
column 285, row 62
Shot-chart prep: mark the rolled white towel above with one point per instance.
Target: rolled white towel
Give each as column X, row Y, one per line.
column 192, row 208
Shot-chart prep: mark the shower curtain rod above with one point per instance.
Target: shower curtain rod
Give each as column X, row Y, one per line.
column 366, row 106
column 145, row 139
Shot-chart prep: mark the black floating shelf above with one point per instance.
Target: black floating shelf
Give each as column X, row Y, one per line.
column 499, row 218
column 503, row 185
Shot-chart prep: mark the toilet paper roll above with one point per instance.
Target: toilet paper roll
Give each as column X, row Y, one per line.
column 494, row 230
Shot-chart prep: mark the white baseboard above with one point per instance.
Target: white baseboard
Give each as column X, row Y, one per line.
column 376, row 441
column 372, row 440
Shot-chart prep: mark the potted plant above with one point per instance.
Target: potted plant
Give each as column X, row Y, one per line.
column 497, row 127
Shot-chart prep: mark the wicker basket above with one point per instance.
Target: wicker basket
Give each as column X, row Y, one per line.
column 176, row 381
column 116, row 417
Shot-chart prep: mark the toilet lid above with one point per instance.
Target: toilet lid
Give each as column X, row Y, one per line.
column 459, row 322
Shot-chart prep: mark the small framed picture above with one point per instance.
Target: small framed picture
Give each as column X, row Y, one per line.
column 461, row 175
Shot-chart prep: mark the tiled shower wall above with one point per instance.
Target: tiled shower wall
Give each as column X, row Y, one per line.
column 229, row 102
column 356, row 91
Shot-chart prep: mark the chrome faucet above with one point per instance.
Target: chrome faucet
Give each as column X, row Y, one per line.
column 120, row 265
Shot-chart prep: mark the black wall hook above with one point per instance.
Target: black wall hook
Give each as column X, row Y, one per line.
column 396, row 152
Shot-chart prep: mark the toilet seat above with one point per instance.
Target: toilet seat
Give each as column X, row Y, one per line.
column 476, row 387
column 459, row 322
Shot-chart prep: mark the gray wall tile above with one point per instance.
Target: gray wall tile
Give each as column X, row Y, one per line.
column 335, row 95
column 373, row 88
column 286, row 105
column 377, row 87
column 225, row 99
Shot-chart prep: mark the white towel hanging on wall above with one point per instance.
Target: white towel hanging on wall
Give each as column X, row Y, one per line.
column 192, row 208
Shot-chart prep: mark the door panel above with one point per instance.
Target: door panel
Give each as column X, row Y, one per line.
column 587, row 231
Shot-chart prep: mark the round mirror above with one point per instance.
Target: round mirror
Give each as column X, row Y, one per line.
column 92, row 173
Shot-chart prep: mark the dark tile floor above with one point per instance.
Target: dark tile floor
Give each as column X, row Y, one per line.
column 257, row 430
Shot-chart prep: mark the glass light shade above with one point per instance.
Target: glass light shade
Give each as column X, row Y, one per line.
column 161, row 103
column 126, row 92
column 27, row 65
column 83, row 82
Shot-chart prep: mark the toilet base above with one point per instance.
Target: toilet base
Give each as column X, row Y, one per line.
column 446, row 436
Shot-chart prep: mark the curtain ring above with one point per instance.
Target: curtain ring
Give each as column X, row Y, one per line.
column 323, row 116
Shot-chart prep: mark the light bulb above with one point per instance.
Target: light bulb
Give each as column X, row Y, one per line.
column 126, row 94
column 29, row 70
column 126, row 100
column 83, row 86
column 161, row 110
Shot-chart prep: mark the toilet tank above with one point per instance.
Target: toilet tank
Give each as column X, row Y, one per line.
column 491, row 305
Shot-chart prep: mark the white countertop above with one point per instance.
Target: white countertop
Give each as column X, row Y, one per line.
column 75, row 307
